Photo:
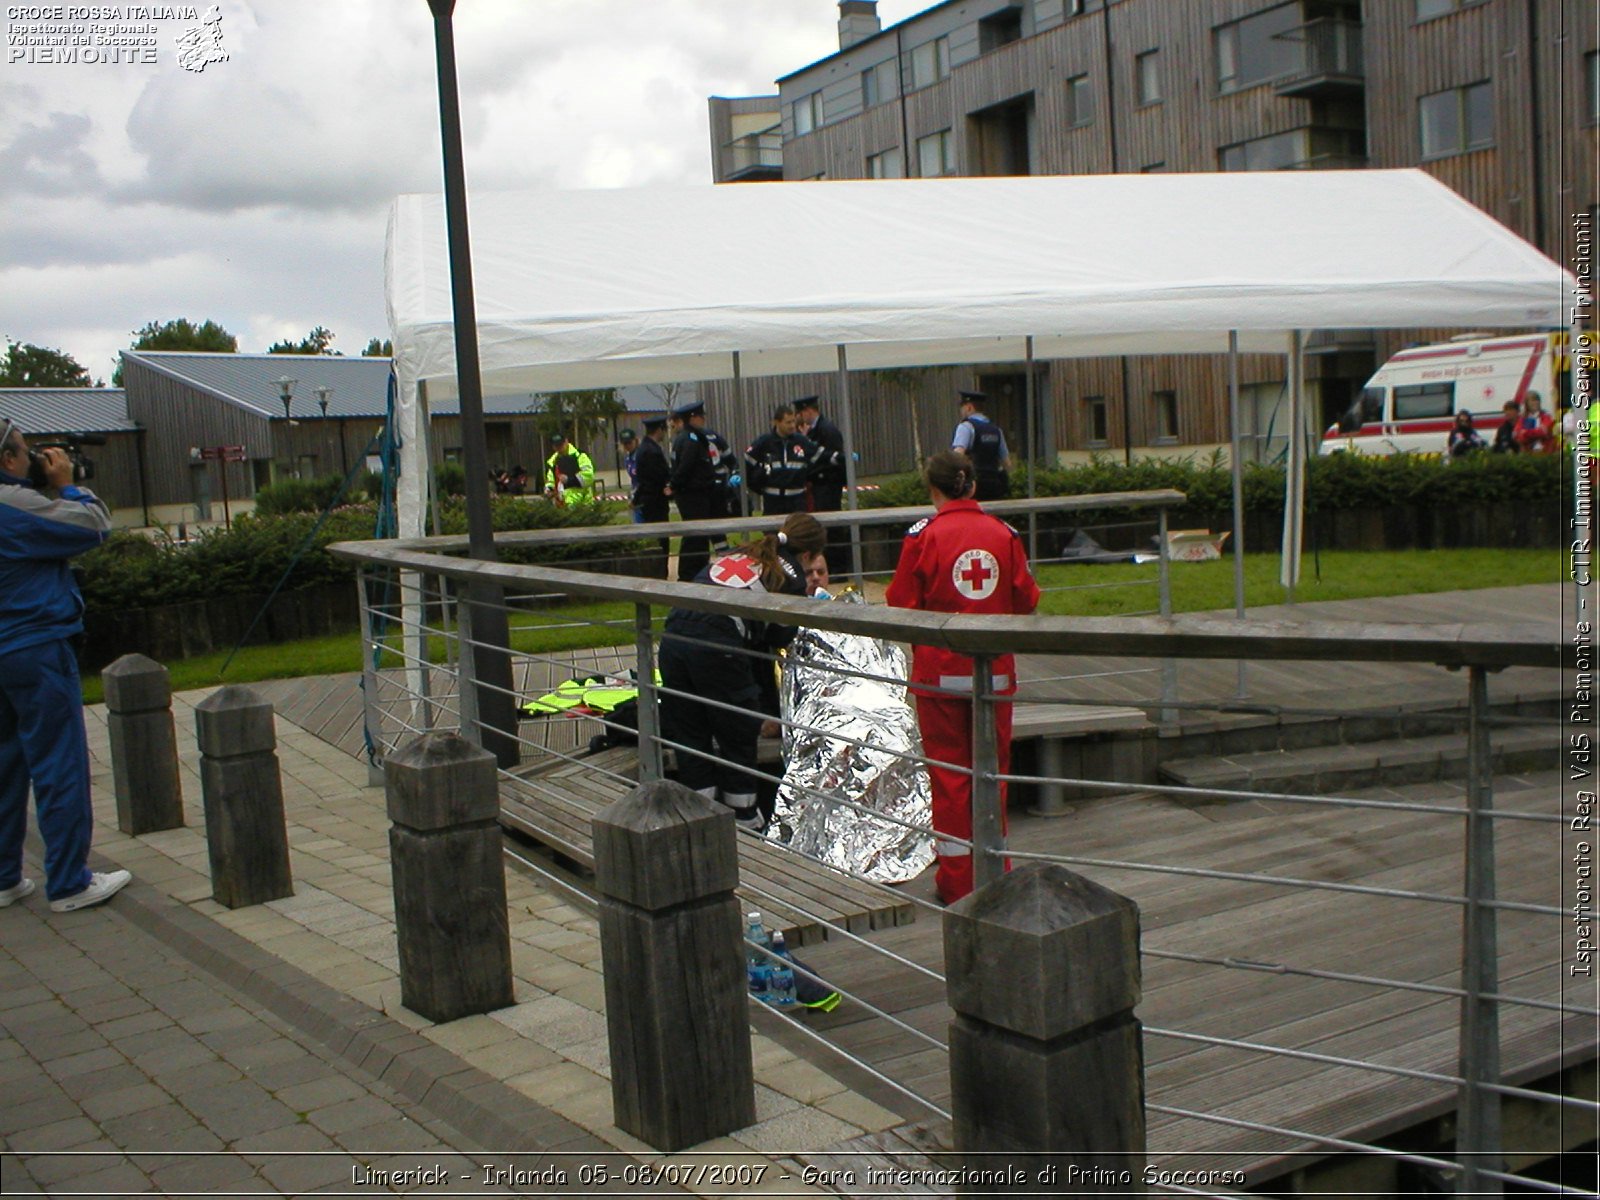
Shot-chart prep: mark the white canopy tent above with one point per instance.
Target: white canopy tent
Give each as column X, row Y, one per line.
column 605, row 288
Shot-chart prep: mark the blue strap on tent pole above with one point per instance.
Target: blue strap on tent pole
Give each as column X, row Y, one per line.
column 386, row 526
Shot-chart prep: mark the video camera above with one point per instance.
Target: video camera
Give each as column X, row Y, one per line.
column 82, row 464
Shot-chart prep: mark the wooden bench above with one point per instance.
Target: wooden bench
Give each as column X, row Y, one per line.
column 554, row 802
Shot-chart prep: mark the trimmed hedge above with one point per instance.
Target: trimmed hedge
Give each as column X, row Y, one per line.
column 1333, row 482
column 133, row 571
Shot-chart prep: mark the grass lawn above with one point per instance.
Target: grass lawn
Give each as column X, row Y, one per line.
column 1114, row 589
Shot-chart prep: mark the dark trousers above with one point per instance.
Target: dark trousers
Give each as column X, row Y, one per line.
column 42, row 739
column 718, row 741
column 992, row 485
column 779, row 506
column 694, row 551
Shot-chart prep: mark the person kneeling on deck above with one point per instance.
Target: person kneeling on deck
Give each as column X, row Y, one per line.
column 704, row 657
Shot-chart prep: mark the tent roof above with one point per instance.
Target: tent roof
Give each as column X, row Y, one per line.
column 601, row 288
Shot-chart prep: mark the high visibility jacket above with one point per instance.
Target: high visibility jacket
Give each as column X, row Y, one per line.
column 962, row 560
column 576, row 472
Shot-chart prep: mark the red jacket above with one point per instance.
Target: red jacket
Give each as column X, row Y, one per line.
column 962, row 560
column 1537, row 437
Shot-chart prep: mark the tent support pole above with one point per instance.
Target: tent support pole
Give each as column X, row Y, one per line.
column 847, row 427
column 1294, row 498
column 738, row 407
column 1236, row 469
column 491, row 660
column 1030, row 399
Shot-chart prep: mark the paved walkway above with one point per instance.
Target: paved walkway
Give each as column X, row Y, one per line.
column 162, row 1043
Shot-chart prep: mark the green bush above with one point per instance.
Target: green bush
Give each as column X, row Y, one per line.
column 450, row 478
column 134, row 571
column 1338, row 481
column 298, row 495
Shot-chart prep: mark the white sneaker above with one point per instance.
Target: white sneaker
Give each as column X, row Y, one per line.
column 20, row 890
column 101, row 888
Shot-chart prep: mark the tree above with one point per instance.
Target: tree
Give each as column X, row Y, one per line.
column 377, row 349
column 29, row 366
column 317, row 341
column 181, row 334
column 582, row 414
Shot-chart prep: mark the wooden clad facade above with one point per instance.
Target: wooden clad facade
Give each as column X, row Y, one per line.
column 1081, row 86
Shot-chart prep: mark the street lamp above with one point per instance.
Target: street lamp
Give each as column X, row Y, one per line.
column 323, row 393
column 286, row 394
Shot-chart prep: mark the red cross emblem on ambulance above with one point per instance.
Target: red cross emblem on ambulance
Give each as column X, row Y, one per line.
column 735, row 571
column 976, row 574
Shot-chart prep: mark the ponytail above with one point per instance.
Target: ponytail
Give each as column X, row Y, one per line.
column 951, row 473
column 801, row 534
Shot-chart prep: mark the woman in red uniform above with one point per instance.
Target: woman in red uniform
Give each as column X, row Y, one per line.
column 960, row 560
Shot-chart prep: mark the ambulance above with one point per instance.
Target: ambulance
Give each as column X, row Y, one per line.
column 1410, row 405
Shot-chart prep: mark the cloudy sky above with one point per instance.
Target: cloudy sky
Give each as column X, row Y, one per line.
column 254, row 192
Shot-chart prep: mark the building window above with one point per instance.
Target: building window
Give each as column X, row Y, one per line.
column 999, row 29
column 1429, row 9
column 1147, row 70
column 1080, row 101
column 1591, row 84
column 1096, row 421
column 807, row 113
column 1424, row 400
column 930, row 62
column 877, row 84
column 1261, row 47
column 936, row 154
column 1166, row 413
column 888, row 165
column 1273, row 153
column 1457, row 120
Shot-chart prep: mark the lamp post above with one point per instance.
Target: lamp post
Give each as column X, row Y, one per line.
column 323, row 393
column 286, row 394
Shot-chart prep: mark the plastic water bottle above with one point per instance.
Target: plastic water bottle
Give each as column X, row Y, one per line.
column 757, row 965
column 782, row 987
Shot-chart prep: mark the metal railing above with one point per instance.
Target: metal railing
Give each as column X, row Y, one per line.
column 404, row 696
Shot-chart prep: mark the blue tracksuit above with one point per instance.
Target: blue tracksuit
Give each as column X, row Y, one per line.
column 42, row 736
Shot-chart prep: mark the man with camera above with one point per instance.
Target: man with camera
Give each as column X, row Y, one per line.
column 45, row 520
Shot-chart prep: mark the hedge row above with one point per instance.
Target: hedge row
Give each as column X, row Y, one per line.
column 1334, row 482
column 134, row 571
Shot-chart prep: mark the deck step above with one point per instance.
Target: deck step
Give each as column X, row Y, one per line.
column 1319, row 770
column 554, row 804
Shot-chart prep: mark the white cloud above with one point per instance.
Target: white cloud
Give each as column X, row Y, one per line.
column 255, row 192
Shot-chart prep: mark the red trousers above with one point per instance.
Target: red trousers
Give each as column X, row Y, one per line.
column 946, row 724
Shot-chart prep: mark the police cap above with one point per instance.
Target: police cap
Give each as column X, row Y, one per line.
column 626, row 435
column 804, row 402
column 693, row 408
column 651, row 423
column 977, row 398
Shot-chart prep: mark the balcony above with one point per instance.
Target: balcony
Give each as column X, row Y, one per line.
column 754, row 157
column 1332, row 65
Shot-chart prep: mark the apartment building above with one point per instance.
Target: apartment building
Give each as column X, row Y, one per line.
column 1499, row 99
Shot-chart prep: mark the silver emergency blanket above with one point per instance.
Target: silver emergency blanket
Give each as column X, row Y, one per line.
column 875, row 776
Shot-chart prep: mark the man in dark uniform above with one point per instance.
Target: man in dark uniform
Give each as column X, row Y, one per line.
column 828, row 476
column 777, row 464
column 693, row 483
column 984, row 442
column 651, row 476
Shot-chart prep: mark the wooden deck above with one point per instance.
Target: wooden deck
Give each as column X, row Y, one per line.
column 1232, row 923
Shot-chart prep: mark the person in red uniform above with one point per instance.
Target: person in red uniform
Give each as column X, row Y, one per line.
column 960, row 560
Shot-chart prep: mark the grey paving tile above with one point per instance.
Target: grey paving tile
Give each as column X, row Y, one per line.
column 58, row 1135
column 105, row 1105
column 335, row 1119
column 109, row 1079
column 203, row 1173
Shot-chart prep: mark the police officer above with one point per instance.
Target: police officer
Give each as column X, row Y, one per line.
column 693, row 484
column 651, row 479
column 628, row 443
column 828, row 475
column 707, row 656
column 778, row 463
column 984, row 442
column 960, row 560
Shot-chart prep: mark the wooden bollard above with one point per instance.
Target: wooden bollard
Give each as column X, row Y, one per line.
column 449, row 878
column 677, row 995
column 144, row 745
column 1046, row 1058
column 245, row 831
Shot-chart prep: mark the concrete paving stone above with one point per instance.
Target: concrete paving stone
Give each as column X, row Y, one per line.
column 35, row 1111
column 297, row 1173
column 770, row 1103
column 291, row 1073
column 802, row 1081
column 238, row 1037
column 163, row 1054
column 857, row 1110
column 215, row 1018
column 60, row 1171
column 505, row 1059
column 82, row 1064
column 113, row 1009
column 589, row 993
column 319, row 1093
column 111, row 1079
column 301, row 1136
column 262, row 1054
column 48, row 1049
column 587, row 1108
column 105, row 1105
column 203, row 1173
column 397, row 1135
column 553, row 1021
column 335, row 1119
column 136, row 1022
column 152, row 1128
column 66, row 1134
column 248, row 1120
column 471, row 1033
column 546, row 1085
column 41, row 1014
column 196, row 1077
column 798, row 1127
column 119, row 1179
